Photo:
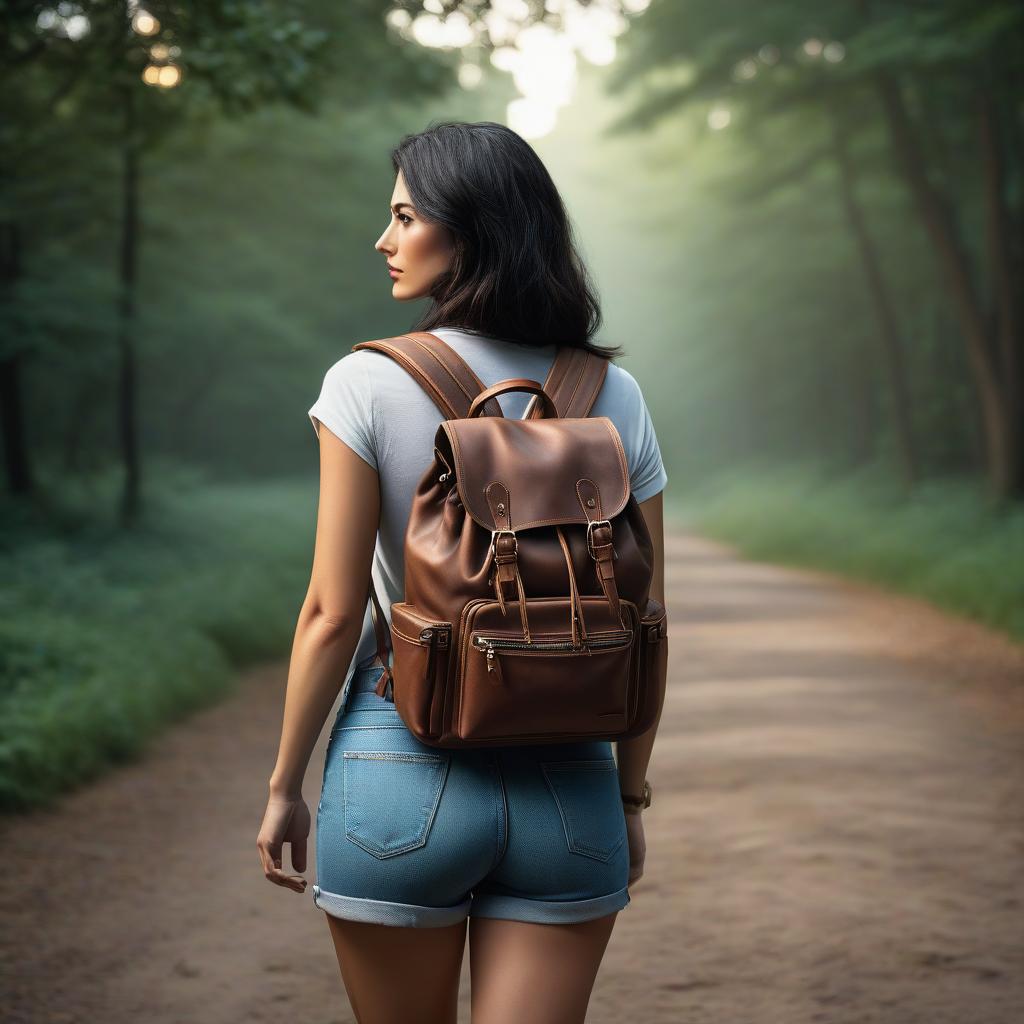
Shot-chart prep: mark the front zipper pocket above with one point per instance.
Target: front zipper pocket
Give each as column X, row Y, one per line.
column 422, row 647
column 516, row 688
column 494, row 646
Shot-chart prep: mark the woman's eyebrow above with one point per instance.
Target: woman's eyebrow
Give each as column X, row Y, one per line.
column 396, row 206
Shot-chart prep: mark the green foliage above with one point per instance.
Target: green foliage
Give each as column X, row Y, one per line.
column 106, row 637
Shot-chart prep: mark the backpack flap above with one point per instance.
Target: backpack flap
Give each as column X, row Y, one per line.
column 515, row 475
column 550, row 471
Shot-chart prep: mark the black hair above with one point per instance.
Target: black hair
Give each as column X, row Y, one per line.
column 516, row 273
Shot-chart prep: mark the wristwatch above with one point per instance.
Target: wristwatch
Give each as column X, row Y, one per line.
column 638, row 803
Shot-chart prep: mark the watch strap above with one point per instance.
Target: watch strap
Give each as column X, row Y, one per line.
column 638, row 801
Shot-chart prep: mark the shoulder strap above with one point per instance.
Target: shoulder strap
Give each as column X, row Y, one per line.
column 450, row 381
column 574, row 380
column 439, row 370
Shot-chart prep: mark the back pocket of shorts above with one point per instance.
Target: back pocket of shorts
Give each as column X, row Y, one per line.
column 391, row 798
column 587, row 795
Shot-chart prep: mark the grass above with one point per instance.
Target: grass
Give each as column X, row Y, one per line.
column 106, row 636
column 939, row 540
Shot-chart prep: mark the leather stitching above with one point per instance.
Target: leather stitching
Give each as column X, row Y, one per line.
column 453, row 440
column 444, row 366
column 576, row 386
column 476, row 382
column 597, row 498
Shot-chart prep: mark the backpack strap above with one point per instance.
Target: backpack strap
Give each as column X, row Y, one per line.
column 573, row 383
column 438, row 369
column 450, row 381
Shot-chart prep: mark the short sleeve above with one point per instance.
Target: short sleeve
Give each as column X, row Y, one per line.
column 647, row 474
column 345, row 405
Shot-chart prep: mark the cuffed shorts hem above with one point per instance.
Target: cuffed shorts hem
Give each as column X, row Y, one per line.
column 407, row 915
column 515, row 908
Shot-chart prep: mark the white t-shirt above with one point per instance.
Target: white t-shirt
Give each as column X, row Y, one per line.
column 379, row 410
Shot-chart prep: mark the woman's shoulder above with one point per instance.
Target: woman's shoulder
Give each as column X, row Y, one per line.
column 621, row 390
column 360, row 368
column 619, row 377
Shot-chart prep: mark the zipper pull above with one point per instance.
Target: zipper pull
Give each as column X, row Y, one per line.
column 494, row 665
column 431, row 636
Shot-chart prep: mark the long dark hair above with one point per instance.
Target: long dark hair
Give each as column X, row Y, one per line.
column 516, row 274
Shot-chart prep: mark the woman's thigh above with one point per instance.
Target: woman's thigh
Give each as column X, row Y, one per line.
column 541, row 973
column 396, row 975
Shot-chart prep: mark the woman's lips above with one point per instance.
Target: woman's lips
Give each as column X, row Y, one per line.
column 393, row 273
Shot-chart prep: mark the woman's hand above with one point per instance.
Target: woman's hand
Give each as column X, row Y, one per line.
column 285, row 821
column 637, row 846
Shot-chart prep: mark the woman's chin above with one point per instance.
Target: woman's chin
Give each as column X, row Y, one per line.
column 402, row 293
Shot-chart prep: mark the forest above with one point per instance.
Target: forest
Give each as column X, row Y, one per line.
column 804, row 221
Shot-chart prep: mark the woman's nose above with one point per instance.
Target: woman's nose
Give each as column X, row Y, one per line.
column 383, row 244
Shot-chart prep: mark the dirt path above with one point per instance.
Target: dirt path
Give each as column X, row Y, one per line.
column 837, row 835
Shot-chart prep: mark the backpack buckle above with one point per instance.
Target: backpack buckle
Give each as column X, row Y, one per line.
column 591, row 526
column 512, row 534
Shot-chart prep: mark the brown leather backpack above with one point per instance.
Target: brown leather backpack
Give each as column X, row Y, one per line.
column 527, row 617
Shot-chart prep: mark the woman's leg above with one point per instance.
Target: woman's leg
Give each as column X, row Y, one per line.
column 396, row 975
column 541, row 973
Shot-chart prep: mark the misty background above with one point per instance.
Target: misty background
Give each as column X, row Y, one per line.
column 803, row 220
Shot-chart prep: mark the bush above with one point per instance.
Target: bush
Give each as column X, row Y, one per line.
column 107, row 635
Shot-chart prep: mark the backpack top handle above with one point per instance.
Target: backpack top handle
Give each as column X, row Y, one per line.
column 514, row 384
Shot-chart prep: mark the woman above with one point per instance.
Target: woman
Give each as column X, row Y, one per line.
column 477, row 225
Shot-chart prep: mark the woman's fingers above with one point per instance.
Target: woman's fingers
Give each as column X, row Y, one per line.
column 284, row 821
column 270, row 856
column 299, row 853
column 637, row 846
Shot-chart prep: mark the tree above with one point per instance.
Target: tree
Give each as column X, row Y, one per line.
column 834, row 57
column 91, row 92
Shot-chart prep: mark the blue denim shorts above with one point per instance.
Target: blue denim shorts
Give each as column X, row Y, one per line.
column 420, row 836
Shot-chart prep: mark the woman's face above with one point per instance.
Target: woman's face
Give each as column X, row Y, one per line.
column 418, row 251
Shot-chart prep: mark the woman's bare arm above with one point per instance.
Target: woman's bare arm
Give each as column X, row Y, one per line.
column 634, row 754
column 332, row 613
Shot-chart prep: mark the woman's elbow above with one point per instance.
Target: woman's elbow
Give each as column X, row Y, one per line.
column 328, row 622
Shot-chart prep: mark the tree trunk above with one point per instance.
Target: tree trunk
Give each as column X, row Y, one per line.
column 17, row 463
column 1005, row 316
column 127, row 427
column 1003, row 463
column 889, row 336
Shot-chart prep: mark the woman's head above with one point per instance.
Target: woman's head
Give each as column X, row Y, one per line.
column 478, row 225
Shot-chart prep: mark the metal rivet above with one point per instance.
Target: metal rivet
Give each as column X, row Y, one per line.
column 591, row 503
column 501, row 507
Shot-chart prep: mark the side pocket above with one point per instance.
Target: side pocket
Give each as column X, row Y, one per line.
column 587, row 795
column 422, row 647
column 391, row 798
column 652, row 655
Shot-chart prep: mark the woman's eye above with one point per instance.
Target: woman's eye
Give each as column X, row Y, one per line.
column 407, row 218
